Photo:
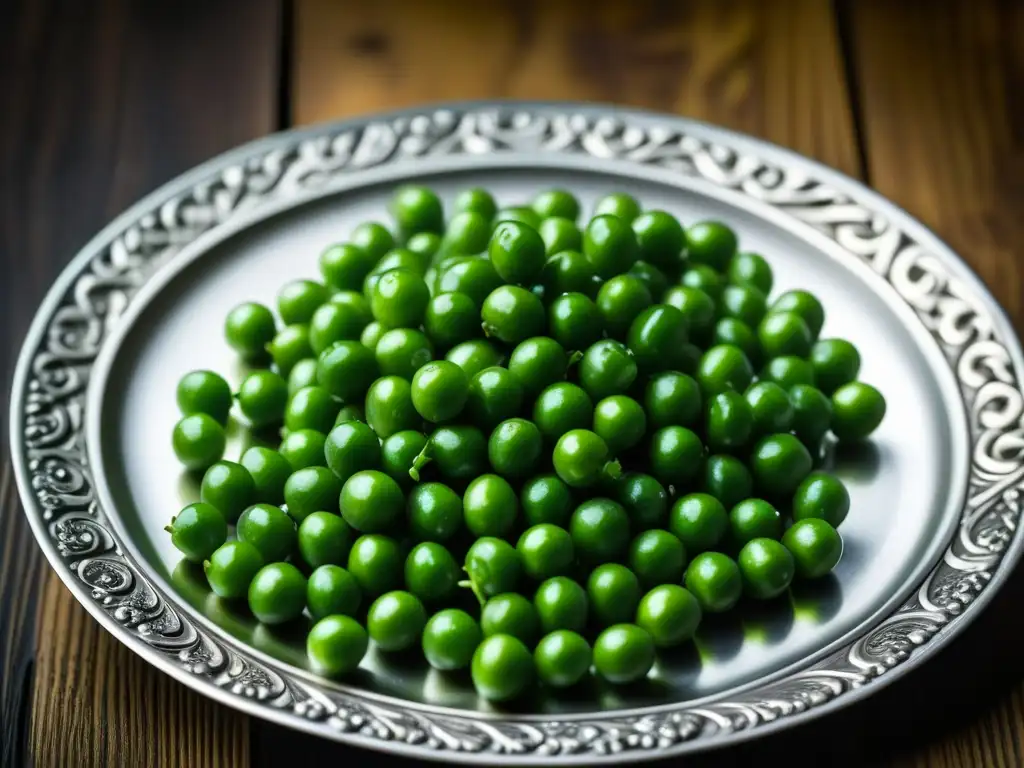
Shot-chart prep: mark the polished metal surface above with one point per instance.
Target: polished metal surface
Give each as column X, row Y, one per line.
column 935, row 494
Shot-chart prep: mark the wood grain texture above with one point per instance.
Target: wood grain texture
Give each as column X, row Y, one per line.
column 735, row 63
column 103, row 102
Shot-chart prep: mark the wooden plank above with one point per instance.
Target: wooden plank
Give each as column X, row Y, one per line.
column 940, row 89
column 774, row 71
column 102, row 102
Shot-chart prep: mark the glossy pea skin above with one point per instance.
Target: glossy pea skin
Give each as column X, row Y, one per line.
column 299, row 299
column 562, row 658
column 614, row 592
column 656, row 281
column 431, row 573
column 439, row 391
column 302, row 375
column 493, row 396
column 815, row 545
column 336, row 645
column 744, row 303
column 546, row 499
column 657, row 557
column 268, row 529
column 770, row 407
column 331, row 590
column 600, row 531
column 311, row 408
column 675, row 455
column 711, row 243
column 545, row 551
column 560, row 408
column 450, row 319
column 477, row 200
column 823, row 496
column 475, row 278
column 706, row 279
column 569, row 272
column 575, row 321
column 346, row 369
column 312, row 489
column 727, row 479
column 517, row 253
column 730, row 422
column 204, row 392
column 303, row 448
column 197, row 531
column 248, row 329
column 342, row 318
column 580, row 458
column 788, row 371
column 747, row 268
column 231, row 568
column 735, row 332
column 857, row 410
column 229, row 488
column 434, row 511
column 344, row 266
column 396, row 620
column 521, row 214
column 607, row 368
column 697, row 307
column 836, row 362
column 803, row 304
column 399, row 299
column 376, row 563
column 619, row 204
column 724, row 368
column 351, row 447
column 473, row 356
column 766, row 567
column 373, row 238
column 198, row 441
column 493, row 566
column 620, row 300
column 609, row 245
column 753, row 519
column 660, row 240
column 467, row 233
column 670, row 614
column 700, row 521
column 536, row 363
column 458, row 452
column 556, row 202
column 672, row 399
column 561, row 603
column 402, row 352
column 502, row 668
column 512, row 314
column 560, row 234
column 490, row 506
column 324, row 539
column 656, row 337
column 398, row 455
column 514, row 448
column 269, row 470
column 620, row 421
column 349, row 413
column 449, row 639
column 623, row 653
column 644, row 499
column 371, row 334
column 812, row 415
column 389, row 407
column 714, row 579
column 277, row 593
column 289, row 346
column 417, row 209
column 779, row 463
column 784, row 333
column 371, row 502
column 510, row 614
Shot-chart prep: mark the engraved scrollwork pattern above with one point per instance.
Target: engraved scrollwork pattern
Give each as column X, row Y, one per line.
column 957, row 317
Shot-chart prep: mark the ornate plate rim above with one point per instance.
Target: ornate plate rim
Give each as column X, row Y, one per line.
column 937, row 284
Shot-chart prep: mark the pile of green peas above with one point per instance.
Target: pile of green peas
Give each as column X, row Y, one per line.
column 533, row 449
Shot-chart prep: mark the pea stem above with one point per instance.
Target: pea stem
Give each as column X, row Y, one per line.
column 612, row 469
column 471, row 583
column 574, row 358
column 421, row 460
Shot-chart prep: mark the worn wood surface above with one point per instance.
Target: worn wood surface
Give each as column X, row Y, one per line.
column 922, row 100
column 101, row 103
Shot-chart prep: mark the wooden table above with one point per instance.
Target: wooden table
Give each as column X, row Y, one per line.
column 103, row 101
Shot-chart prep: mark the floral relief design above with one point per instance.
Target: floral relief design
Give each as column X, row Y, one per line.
column 957, row 317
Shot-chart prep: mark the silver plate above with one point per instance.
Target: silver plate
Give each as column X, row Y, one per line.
column 936, row 497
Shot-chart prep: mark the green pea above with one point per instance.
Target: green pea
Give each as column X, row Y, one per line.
column 417, row 209
column 788, row 371
column 431, row 573
column 557, row 202
column 311, row 408
column 396, row 620
column 736, row 333
column 324, row 539
column 399, row 299
column 494, row 395
column 706, row 279
column 468, row 233
column 823, row 496
column 711, row 243
column 439, row 391
column 229, row 487
column 303, row 448
column 620, row 421
column 670, row 614
column 675, row 455
column 607, row 368
column 520, row 214
column 510, row 614
column 302, row 375
column 517, row 253
column 656, row 337
column 376, row 563
column 197, row 531
column 198, row 441
column 581, row 459
column 536, row 363
column 477, row 200
column 779, row 463
column 371, row 502
column 490, row 506
column 727, row 479
column 805, row 305
column 770, row 407
column 545, row 551
column 661, row 240
column 600, row 530
column 402, row 352
column 815, row 545
column 458, row 452
column 389, row 407
column 546, row 499
column 342, row 318
column 434, row 511
column 371, row 334
column 620, row 300
column 672, row 399
column 714, row 579
column 249, row 328
column 724, row 368
column 514, row 448
column 657, row 557
column 231, row 568
column 268, row 529
column 618, row 204
column 574, row 321
column 277, row 593
column 473, row 356
column 512, row 314
column 561, row 603
column 699, row 521
column 502, row 668
column 310, row 490
column 398, row 454
column 476, row 278
column 623, row 653
column 204, row 392
column 697, row 307
column 450, row 319
column 753, row 519
column 373, row 238
column 609, row 245
column 812, row 415
column 836, row 362
column 644, row 499
column 747, row 268
column 730, row 422
column 352, row 447
column 614, row 593
column 559, row 235
column 562, row 658
column 345, row 266
column 289, row 346
column 336, row 645
column 493, row 566
column 857, row 410
column 784, row 333
column 299, row 299
column 569, row 271
column 332, row 591
column 449, row 639
column 346, row 369
column 269, row 470
column 652, row 277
